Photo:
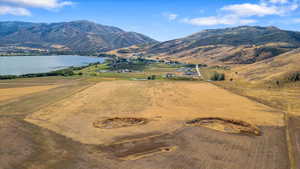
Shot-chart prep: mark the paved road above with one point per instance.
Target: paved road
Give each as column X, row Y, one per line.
column 198, row 71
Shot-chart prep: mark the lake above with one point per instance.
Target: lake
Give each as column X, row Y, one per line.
column 18, row 65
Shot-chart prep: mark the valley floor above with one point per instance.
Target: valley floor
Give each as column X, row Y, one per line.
column 55, row 125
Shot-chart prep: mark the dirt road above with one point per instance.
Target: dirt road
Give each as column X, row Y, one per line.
column 198, row 71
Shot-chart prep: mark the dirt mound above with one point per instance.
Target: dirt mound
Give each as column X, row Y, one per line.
column 136, row 147
column 226, row 125
column 118, row 122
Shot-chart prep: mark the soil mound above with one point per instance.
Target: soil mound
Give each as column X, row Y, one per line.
column 226, row 125
column 118, row 122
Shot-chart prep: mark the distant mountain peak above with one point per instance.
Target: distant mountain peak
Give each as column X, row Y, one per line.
column 273, row 27
column 245, row 27
column 80, row 35
column 244, row 35
column 82, row 21
column 242, row 45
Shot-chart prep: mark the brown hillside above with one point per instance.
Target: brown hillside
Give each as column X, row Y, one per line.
column 278, row 68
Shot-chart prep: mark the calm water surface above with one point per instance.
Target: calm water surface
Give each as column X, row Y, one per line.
column 18, row 65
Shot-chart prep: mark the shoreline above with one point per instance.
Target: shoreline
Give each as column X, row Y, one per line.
column 80, row 61
column 67, row 71
column 46, row 55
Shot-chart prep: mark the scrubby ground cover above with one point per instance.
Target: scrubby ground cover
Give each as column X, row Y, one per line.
column 135, row 69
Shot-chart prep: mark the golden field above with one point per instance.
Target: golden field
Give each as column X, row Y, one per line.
column 56, row 127
column 9, row 93
column 166, row 104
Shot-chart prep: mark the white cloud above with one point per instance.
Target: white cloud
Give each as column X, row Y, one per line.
column 279, row 1
column 246, row 13
column 170, row 16
column 4, row 10
column 247, row 9
column 39, row 3
column 213, row 20
column 19, row 7
column 264, row 8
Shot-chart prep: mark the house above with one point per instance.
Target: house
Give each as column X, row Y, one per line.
column 124, row 71
column 184, row 69
column 190, row 73
column 170, row 75
column 102, row 71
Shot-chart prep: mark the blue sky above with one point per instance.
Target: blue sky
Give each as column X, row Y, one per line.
column 159, row 19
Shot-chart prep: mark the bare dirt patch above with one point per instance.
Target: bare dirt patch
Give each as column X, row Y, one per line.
column 148, row 153
column 140, row 147
column 201, row 148
column 25, row 146
column 15, row 144
column 294, row 132
column 118, row 122
column 226, row 125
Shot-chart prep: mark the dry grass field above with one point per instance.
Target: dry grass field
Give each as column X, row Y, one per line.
column 270, row 69
column 284, row 98
column 167, row 105
column 113, row 124
column 6, row 94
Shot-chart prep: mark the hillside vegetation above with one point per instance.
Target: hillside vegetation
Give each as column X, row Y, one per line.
column 75, row 36
column 283, row 68
column 239, row 45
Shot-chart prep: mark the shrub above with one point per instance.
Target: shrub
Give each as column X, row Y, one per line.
column 63, row 72
column 7, row 77
column 294, row 77
column 106, row 55
column 152, row 77
column 217, row 76
column 181, row 78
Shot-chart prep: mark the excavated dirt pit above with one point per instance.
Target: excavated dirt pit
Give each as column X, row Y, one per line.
column 151, row 152
column 140, row 146
column 118, row 122
column 226, row 125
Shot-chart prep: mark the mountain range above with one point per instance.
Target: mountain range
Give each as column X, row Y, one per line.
column 256, row 53
column 238, row 45
column 68, row 36
column 257, row 50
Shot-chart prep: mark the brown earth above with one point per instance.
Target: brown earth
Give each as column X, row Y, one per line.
column 294, row 131
column 284, row 98
column 26, row 146
column 119, row 122
column 226, row 125
column 61, row 123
